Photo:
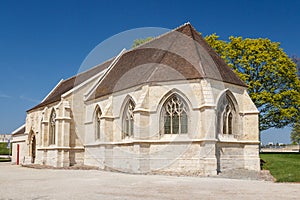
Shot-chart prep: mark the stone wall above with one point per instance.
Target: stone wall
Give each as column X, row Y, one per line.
column 141, row 157
column 205, row 151
column 202, row 150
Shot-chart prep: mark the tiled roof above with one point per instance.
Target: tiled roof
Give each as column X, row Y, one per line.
column 70, row 83
column 181, row 54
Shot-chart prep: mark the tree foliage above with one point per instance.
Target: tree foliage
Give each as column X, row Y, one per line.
column 138, row 42
column 269, row 73
column 295, row 134
column 297, row 61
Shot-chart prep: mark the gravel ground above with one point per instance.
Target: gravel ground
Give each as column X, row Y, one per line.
column 27, row 183
column 263, row 175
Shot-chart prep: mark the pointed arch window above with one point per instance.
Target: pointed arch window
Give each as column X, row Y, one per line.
column 227, row 120
column 226, row 115
column 98, row 114
column 41, row 132
column 52, row 128
column 175, row 116
column 128, row 120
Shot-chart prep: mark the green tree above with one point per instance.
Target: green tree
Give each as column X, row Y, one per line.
column 295, row 134
column 297, row 61
column 269, row 73
column 138, row 42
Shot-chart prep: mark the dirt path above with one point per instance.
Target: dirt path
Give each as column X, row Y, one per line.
column 25, row 183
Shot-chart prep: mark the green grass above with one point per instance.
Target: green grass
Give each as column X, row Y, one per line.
column 3, row 149
column 5, row 159
column 285, row 167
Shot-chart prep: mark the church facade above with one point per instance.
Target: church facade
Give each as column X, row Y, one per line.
column 169, row 105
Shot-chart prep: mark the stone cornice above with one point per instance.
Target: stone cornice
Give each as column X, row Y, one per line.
column 62, row 118
column 249, row 113
column 240, row 141
column 161, row 141
column 60, row 148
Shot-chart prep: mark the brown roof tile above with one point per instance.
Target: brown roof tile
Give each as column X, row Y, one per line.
column 181, row 54
column 70, row 83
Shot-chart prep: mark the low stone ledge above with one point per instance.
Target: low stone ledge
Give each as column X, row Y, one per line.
column 263, row 175
column 75, row 167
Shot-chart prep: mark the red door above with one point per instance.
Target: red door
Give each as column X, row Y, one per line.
column 18, row 153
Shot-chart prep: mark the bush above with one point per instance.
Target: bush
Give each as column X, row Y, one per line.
column 3, row 149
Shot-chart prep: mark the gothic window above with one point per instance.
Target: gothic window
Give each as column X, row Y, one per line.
column 174, row 115
column 52, row 127
column 226, row 114
column 97, row 123
column 227, row 120
column 128, row 120
column 41, row 131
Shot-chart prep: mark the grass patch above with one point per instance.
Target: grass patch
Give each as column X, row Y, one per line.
column 283, row 166
column 5, row 159
column 3, row 148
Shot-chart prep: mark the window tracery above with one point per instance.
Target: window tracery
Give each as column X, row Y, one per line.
column 175, row 116
column 52, row 130
column 128, row 120
column 227, row 119
column 97, row 123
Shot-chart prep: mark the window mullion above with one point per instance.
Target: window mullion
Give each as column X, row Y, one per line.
column 179, row 123
column 171, row 124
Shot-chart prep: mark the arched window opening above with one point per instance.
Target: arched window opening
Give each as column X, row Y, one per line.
column 52, row 128
column 33, row 149
column 41, row 132
column 97, row 123
column 230, row 123
column 226, row 115
column 128, row 120
column 174, row 115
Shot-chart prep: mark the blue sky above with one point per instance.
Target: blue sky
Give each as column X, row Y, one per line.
column 42, row 42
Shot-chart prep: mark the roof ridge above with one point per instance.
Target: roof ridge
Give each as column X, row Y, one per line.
column 159, row 36
column 131, row 60
column 212, row 52
column 162, row 58
column 154, row 38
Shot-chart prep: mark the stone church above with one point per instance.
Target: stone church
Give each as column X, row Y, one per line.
column 169, row 105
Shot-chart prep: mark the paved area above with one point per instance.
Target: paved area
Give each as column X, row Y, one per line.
column 24, row 183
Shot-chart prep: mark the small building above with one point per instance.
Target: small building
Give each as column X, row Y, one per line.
column 18, row 144
column 169, row 105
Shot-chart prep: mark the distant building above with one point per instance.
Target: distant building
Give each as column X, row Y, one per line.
column 5, row 137
column 18, row 144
